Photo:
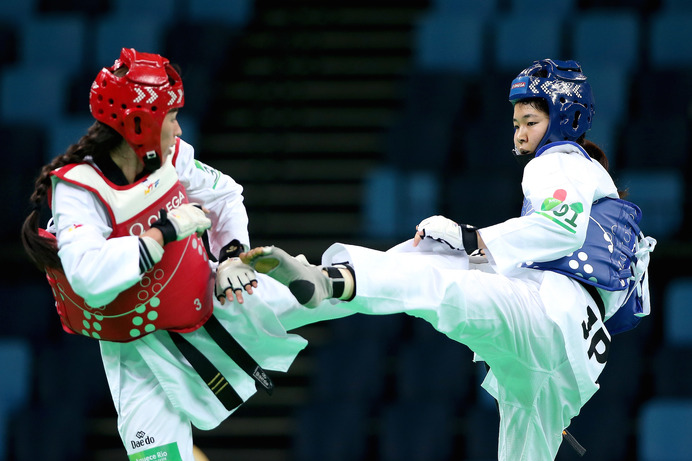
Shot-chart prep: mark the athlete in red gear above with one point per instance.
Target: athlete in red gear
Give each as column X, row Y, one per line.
column 125, row 257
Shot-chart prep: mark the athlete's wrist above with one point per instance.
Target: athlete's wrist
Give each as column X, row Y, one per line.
column 155, row 234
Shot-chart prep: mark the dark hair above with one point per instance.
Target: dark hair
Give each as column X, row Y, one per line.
column 594, row 151
column 99, row 140
column 537, row 103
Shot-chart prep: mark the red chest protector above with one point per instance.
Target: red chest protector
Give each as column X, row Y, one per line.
column 176, row 294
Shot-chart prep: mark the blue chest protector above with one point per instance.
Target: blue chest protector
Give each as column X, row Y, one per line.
column 608, row 258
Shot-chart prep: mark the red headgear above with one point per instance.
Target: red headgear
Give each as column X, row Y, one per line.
column 135, row 103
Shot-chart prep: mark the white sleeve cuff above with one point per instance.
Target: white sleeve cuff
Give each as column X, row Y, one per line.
column 150, row 252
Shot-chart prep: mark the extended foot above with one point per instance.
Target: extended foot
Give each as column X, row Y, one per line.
column 309, row 284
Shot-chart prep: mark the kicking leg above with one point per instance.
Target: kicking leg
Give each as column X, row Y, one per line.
column 309, row 284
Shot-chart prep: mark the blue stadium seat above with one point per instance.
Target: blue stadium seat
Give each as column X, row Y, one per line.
column 190, row 126
column 30, row 94
column 606, row 37
column 159, row 11
column 650, row 141
column 395, row 201
column 544, row 41
column 64, row 434
column 56, row 41
column 449, row 42
column 59, row 390
column 60, row 362
column 481, row 10
column 610, row 83
column 658, row 192
column 677, row 319
column 670, row 379
column 556, row 9
column 380, row 203
column 65, row 132
column 676, row 5
column 235, row 14
column 665, row 430
column 420, row 198
column 668, row 30
column 416, row 430
column 15, row 385
column 142, row 35
column 18, row 12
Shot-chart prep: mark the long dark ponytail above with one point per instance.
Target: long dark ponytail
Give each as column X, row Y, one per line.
column 596, row 153
column 99, row 140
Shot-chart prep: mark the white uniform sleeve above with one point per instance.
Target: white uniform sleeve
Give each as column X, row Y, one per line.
column 560, row 188
column 97, row 268
column 219, row 193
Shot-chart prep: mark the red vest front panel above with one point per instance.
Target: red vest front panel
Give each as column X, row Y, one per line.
column 175, row 294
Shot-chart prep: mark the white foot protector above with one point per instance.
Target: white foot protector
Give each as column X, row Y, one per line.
column 307, row 283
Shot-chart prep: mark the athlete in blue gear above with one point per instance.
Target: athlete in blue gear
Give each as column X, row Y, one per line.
column 551, row 287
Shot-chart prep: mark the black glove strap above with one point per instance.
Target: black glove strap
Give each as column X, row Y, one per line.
column 166, row 227
column 231, row 250
column 469, row 238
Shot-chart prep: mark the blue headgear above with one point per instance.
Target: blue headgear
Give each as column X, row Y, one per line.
column 570, row 100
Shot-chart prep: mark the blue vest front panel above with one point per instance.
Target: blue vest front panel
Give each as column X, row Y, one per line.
column 606, row 258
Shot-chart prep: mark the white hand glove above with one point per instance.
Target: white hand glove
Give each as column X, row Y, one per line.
column 182, row 222
column 188, row 219
column 443, row 230
column 234, row 275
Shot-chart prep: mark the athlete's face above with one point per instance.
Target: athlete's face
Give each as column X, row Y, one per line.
column 530, row 125
column 169, row 130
